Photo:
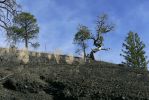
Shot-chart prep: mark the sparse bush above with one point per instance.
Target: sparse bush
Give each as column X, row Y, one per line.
column 49, row 56
column 70, row 59
column 12, row 54
column 38, row 54
column 24, row 56
column 12, row 49
column 57, row 54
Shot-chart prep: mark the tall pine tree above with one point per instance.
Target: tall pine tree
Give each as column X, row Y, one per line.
column 133, row 51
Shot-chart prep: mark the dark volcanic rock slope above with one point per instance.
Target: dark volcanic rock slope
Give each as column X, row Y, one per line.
column 93, row 81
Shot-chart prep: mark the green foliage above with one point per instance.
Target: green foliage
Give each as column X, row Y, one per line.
column 83, row 35
column 81, row 38
column 35, row 45
column 133, row 51
column 25, row 28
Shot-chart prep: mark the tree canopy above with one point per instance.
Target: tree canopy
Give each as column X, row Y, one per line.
column 81, row 38
column 25, row 29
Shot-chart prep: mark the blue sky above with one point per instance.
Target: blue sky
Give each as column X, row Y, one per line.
column 58, row 21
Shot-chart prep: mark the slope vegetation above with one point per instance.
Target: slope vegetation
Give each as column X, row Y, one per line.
column 90, row 81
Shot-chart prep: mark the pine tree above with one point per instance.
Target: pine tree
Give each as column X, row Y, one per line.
column 81, row 38
column 133, row 51
column 25, row 29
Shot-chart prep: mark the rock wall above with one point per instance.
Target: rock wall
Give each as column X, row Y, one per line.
column 13, row 56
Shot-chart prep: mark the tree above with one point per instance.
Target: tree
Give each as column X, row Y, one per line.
column 25, row 29
column 133, row 51
column 103, row 27
column 12, row 36
column 81, row 38
column 8, row 9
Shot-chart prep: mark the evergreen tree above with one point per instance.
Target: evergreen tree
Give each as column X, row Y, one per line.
column 25, row 29
column 81, row 38
column 133, row 51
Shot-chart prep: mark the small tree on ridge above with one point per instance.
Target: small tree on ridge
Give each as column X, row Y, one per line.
column 81, row 38
column 103, row 27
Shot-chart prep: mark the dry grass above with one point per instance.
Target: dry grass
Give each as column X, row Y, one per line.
column 57, row 54
column 24, row 56
column 70, row 59
column 49, row 56
column 12, row 50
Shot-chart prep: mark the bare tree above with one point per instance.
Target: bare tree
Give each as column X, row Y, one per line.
column 8, row 9
column 83, row 35
column 103, row 27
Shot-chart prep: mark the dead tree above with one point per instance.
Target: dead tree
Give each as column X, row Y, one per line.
column 103, row 27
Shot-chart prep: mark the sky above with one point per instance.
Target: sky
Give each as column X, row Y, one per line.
column 58, row 21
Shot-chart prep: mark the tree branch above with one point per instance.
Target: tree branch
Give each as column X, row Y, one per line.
column 106, row 49
column 4, row 24
column 5, row 77
column 3, row 1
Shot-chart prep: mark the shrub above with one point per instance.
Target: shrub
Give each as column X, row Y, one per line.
column 57, row 53
column 24, row 56
column 69, row 59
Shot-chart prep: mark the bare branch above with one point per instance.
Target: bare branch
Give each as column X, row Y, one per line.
column 3, row 1
column 106, row 49
column 103, row 27
column 8, row 9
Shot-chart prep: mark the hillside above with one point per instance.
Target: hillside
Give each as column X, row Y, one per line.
column 91, row 81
